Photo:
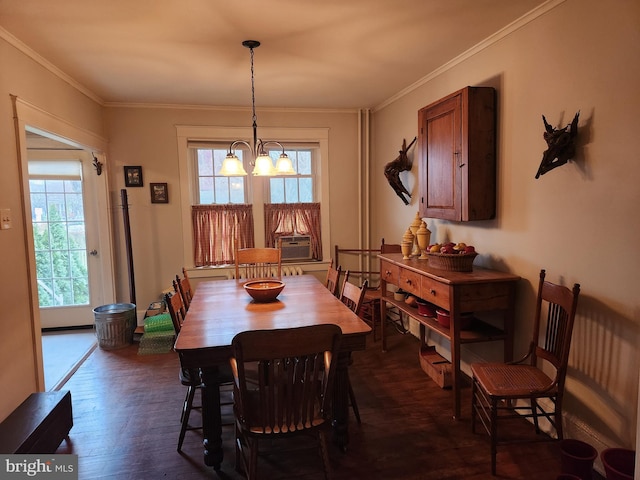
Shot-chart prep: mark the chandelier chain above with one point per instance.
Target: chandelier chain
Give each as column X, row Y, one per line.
column 253, row 92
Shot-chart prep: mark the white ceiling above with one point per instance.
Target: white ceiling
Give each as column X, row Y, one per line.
column 314, row 53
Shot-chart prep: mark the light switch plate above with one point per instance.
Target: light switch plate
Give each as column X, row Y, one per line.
column 5, row 219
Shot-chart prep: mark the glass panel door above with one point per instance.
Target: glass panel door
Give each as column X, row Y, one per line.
column 65, row 237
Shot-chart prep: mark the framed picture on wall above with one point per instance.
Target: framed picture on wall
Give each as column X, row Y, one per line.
column 133, row 176
column 159, row 193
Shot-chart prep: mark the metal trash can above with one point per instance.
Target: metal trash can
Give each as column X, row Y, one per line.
column 115, row 324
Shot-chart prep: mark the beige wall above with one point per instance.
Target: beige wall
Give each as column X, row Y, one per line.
column 579, row 221
column 19, row 342
column 147, row 137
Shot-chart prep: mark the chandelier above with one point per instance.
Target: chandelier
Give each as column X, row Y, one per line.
column 261, row 163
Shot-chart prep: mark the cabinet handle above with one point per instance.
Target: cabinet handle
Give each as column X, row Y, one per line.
column 432, row 292
column 387, row 273
column 457, row 154
column 408, row 282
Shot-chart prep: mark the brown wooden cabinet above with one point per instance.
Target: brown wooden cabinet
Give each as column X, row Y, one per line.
column 457, row 156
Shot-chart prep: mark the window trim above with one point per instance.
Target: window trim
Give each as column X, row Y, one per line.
column 194, row 133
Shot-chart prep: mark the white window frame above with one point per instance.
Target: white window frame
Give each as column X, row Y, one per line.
column 314, row 151
column 195, row 187
column 257, row 185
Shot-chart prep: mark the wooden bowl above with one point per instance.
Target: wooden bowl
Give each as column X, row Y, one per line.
column 264, row 290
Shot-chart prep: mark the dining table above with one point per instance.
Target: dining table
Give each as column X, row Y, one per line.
column 220, row 309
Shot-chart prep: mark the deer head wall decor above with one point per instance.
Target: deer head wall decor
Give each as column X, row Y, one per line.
column 560, row 145
column 400, row 164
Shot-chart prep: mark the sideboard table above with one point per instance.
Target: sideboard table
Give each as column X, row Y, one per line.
column 481, row 290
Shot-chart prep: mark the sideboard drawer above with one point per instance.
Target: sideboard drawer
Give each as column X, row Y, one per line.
column 435, row 292
column 410, row 282
column 390, row 273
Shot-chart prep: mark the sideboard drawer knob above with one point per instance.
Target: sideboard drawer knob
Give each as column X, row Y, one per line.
column 432, row 292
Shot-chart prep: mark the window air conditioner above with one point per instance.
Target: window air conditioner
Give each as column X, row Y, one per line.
column 295, row 247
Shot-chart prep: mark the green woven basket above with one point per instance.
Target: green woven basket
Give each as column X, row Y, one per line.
column 158, row 323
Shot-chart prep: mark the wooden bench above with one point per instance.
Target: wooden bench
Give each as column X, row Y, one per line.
column 38, row 425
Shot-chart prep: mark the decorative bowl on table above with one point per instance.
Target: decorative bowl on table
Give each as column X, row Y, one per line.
column 264, row 290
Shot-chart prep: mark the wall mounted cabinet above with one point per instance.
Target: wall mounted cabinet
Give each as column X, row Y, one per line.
column 457, row 156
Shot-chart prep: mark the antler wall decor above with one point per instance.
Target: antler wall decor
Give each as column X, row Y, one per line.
column 560, row 145
column 400, row 164
column 97, row 165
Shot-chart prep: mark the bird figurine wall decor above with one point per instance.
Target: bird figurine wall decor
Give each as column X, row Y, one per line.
column 400, row 164
column 560, row 143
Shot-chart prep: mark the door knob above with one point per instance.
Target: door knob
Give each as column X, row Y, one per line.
column 93, row 252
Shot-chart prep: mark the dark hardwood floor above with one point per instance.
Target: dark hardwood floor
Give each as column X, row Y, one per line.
column 127, row 417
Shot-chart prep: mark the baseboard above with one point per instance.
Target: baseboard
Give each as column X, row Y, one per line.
column 64, row 329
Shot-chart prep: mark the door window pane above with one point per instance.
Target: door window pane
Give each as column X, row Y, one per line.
column 57, row 214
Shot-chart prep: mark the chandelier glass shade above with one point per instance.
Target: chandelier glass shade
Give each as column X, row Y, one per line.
column 262, row 162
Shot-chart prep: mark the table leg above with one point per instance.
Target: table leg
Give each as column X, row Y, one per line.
column 340, row 402
column 211, row 418
column 456, row 377
column 383, row 314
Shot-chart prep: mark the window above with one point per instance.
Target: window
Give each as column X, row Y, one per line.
column 294, row 189
column 217, row 189
column 201, row 152
column 212, row 188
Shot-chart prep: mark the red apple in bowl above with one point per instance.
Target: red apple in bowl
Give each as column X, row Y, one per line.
column 448, row 250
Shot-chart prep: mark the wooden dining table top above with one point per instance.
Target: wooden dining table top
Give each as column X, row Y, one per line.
column 220, row 309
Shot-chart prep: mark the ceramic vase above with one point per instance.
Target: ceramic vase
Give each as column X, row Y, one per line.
column 415, row 225
column 408, row 237
column 424, row 236
column 406, row 248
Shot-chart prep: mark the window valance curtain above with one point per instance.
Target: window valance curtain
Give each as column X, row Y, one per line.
column 216, row 228
column 293, row 218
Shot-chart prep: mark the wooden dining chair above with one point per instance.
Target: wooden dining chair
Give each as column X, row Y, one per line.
column 503, row 391
column 370, row 312
column 296, row 371
column 190, row 378
column 352, row 296
column 258, row 263
column 333, row 279
column 184, row 288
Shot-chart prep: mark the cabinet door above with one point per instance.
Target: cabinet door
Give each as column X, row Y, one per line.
column 456, row 152
column 440, row 147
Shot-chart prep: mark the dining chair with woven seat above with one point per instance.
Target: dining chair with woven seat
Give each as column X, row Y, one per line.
column 533, row 386
column 296, row 371
column 352, row 296
column 190, row 378
column 253, row 263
